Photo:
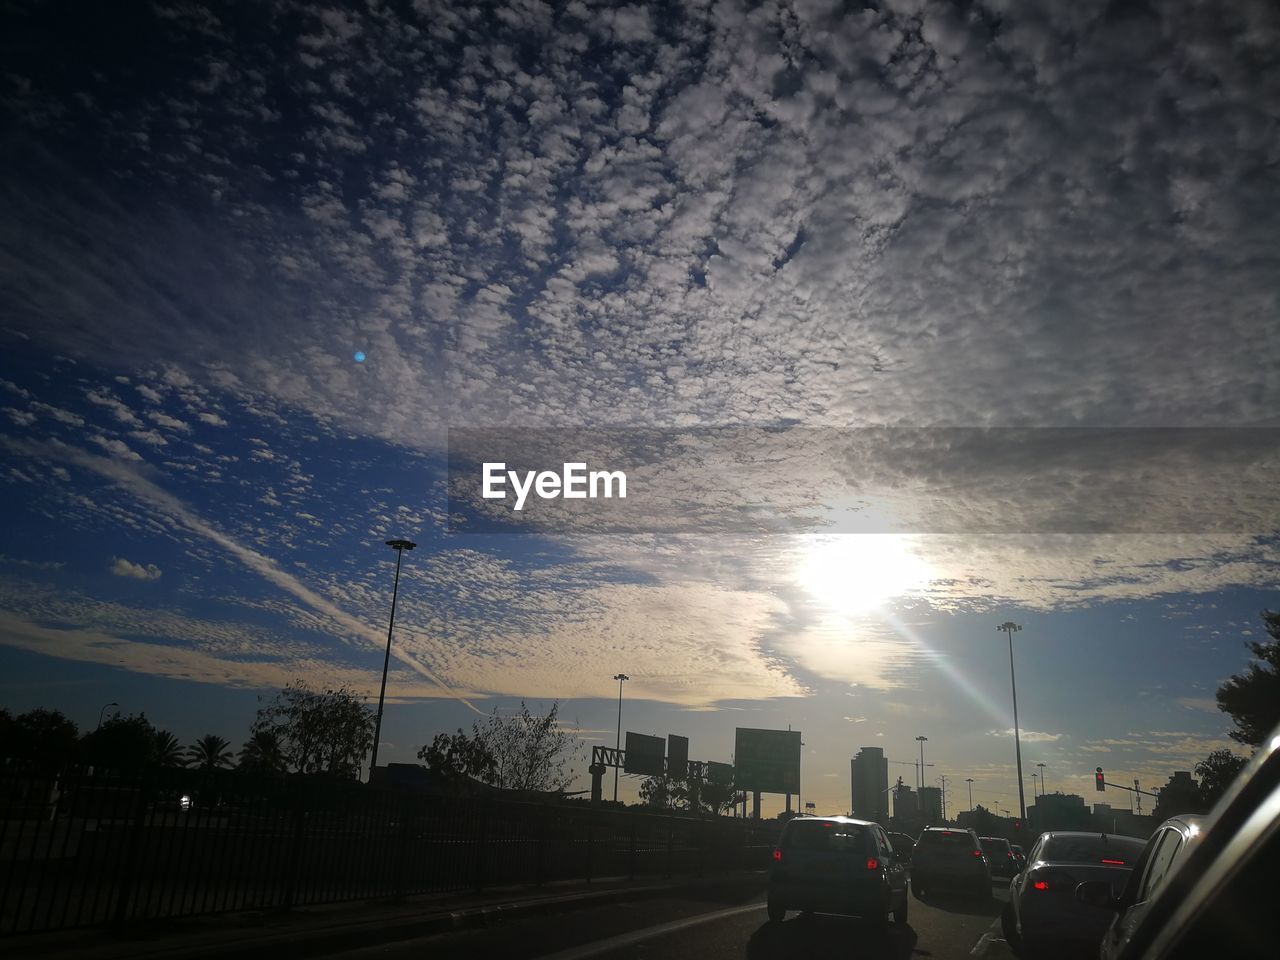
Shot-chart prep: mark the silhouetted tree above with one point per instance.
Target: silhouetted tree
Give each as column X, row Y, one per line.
column 121, row 744
column 326, row 732
column 457, row 756
column 523, row 751
column 1252, row 698
column 261, row 754
column 209, row 752
column 1216, row 772
column 39, row 740
column 167, row 752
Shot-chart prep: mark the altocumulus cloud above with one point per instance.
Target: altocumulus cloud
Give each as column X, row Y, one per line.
column 127, row 568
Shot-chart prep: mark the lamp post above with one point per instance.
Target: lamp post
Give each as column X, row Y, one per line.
column 621, row 678
column 969, row 781
column 104, row 710
column 920, row 778
column 1010, row 628
column 1033, row 786
column 1043, row 790
column 399, row 546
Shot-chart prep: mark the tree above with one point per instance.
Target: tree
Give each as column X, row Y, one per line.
column 455, row 756
column 41, row 740
column 518, row 752
column 1216, row 772
column 666, row 793
column 327, row 732
column 210, row 752
column 122, row 744
column 167, row 752
column 1252, row 698
column 261, row 754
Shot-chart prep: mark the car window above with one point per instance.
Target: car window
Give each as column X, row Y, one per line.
column 946, row 838
column 1116, row 851
column 822, row 835
column 1161, row 860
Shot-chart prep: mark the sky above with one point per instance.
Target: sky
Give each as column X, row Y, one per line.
column 261, row 263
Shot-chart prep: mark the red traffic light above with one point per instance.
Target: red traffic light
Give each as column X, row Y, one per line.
column 1098, row 783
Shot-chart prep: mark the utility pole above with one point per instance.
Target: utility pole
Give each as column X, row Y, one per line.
column 920, row 775
column 1010, row 628
column 943, row 780
column 617, row 745
column 399, row 546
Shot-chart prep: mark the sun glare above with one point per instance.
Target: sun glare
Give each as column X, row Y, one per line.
column 856, row 573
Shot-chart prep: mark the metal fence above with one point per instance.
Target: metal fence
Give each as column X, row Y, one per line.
column 79, row 850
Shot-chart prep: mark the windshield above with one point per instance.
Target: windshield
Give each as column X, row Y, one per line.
column 823, row 835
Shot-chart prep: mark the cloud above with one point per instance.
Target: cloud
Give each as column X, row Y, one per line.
column 1030, row 736
column 125, row 568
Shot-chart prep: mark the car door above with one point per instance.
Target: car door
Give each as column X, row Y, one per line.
column 1164, row 851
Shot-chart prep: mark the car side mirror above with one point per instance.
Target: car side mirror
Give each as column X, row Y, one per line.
column 1096, row 893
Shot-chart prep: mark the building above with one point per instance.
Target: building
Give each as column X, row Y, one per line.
column 1060, row 811
column 869, row 776
column 1180, row 795
column 906, row 805
column 931, row 804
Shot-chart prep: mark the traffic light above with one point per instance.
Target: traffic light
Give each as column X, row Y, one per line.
column 1098, row 783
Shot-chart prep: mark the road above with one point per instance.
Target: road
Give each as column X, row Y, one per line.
column 720, row 926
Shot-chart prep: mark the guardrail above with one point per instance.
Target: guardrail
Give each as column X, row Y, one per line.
column 79, row 850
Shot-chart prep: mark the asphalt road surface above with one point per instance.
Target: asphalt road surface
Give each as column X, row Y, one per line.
column 722, row 926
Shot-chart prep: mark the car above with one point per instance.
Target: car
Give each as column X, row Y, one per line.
column 949, row 858
column 1204, row 885
column 837, row 865
column 903, row 844
column 999, row 854
column 1042, row 909
column 1020, row 856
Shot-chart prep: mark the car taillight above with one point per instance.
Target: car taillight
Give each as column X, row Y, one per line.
column 1040, row 885
column 873, row 863
column 977, row 853
column 777, row 854
column 1009, row 855
column 1114, row 863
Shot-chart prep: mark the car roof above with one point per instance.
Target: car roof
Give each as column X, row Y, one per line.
column 854, row 821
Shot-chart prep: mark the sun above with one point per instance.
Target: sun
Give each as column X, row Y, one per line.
column 855, row 573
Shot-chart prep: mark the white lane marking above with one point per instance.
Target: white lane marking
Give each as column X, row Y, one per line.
column 597, row 947
column 980, row 948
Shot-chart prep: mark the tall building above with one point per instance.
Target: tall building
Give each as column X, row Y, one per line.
column 906, row 805
column 869, row 776
column 931, row 804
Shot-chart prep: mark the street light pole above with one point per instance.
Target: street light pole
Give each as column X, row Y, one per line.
column 104, row 710
column 1010, row 628
column 1043, row 789
column 621, row 678
column 969, row 781
column 399, row 546
column 943, row 781
column 920, row 778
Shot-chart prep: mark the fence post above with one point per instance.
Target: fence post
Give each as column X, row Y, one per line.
column 670, row 831
column 540, row 866
column 700, row 847
column 129, row 874
column 591, row 820
column 482, row 846
column 407, row 811
column 295, row 852
column 631, row 855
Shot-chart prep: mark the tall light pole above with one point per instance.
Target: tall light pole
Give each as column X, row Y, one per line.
column 1010, row 628
column 969, row 781
column 104, row 710
column 399, row 546
column 1043, row 789
column 1033, row 786
column 621, row 678
column 943, row 781
column 920, row 778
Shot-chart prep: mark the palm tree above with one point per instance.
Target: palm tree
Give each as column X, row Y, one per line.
column 168, row 752
column 261, row 753
column 210, row 752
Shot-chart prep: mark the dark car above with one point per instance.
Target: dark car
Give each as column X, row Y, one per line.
column 1043, row 911
column 1204, row 886
column 1000, row 858
column 837, row 865
column 1020, row 856
column 949, row 858
column 903, row 844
